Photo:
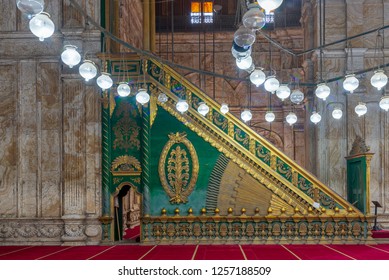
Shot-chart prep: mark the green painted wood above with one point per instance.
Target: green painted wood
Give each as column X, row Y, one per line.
column 356, row 182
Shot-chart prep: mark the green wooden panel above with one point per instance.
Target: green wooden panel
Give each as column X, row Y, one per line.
column 356, row 183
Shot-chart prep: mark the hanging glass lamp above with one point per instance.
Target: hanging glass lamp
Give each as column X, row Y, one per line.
column 271, row 84
column 291, row 118
column 142, row 96
column 42, row 26
column 322, row 91
column 361, row 109
column 270, row 116
column 104, row 81
column 315, row 117
column 162, row 97
column 182, row 106
column 258, row 77
column 203, row 108
column 351, row 83
column 224, row 108
column 337, row 113
column 244, row 37
column 88, row 70
column 384, row 103
column 254, row 18
column 297, row 96
column 269, row 5
column 379, row 79
column 283, row 92
column 30, row 7
column 123, row 89
column 70, row 56
column 246, row 115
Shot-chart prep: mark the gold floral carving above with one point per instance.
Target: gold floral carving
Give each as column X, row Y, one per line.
column 177, row 180
column 126, row 165
column 126, row 129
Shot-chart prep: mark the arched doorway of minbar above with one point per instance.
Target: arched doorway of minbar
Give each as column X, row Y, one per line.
column 127, row 205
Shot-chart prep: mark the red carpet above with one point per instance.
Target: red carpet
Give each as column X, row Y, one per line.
column 166, row 252
column 315, row 252
column 219, row 252
column 199, row 252
column 380, row 233
column 132, row 233
column 362, row 252
column 267, row 252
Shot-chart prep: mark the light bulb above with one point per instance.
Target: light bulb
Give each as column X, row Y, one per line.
column 104, row 81
column 182, row 106
column 297, row 96
column 87, row 70
column 244, row 37
column 162, row 97
column 351, row 83
column 337, row 113
column 271, row 84
column 322, row 91
column 246, row 115
column 269, row 5
column 142, row 96
column 203, row 108
column 291, row 118
column 384, row 103
column 30, row 7
column 244, row 63
column 270, row 117
column 379, row 79
column 70, row 56
column 283, row 92
column 315, row 117
column 254, row 18
column 361, row 109
column 42, row 26
column 224, row 108
column 123, row 89
column 258, row 77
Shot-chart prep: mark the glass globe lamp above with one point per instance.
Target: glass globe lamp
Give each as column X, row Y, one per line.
column 203, row 108
column 87, row 70
column 283, row 92
column 297, row 96
column 182, row 106
column 70, row 56
column 224, row 108
column 123, row 89
column 291, row 118
column 244, row 63
column 269, row 5
column 30, row 7
column 42, row 26
column 240, row 52
column 142, row 96
column 361, row 109
column 244, row 37
column 162, row 97
column 254, row 18
column 246, row 115
column 351, row 83
column 315, row 117
column 384, row 103
column 337, row 113
column 322, row 91
column 271, row 84
column 379, row 79
column 269, row 116
column 258, row 77
column 104, row 81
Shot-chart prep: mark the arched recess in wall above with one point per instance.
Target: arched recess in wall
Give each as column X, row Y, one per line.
column 126, row 203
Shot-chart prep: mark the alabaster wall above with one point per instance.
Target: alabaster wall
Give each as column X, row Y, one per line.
column 49, row 131
column 335, row 137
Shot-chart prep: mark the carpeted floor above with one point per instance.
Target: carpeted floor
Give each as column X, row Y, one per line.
column 197, row 252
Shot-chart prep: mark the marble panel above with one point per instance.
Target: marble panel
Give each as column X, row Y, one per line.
column 51, row 194
column 26, row 45
column 8, row 15
column 50, row 151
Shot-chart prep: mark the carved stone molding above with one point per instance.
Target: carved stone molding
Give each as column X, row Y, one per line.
column 359, row 146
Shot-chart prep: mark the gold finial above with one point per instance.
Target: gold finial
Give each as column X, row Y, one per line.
column 336, row 210
column 350, row 209
column 177, row 211
column 310, row 209
column 190, row 211
column 269, row 210
column 256, row 211
column 163, row 212
column 217, row 211
column 203, row 211
column 283, row 210
column 296, row 210
column 243, row 211
column 323, row 210
column 229, row 211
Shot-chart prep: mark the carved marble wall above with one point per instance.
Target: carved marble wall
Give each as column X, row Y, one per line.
column 335, row 137
column 49, row 131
